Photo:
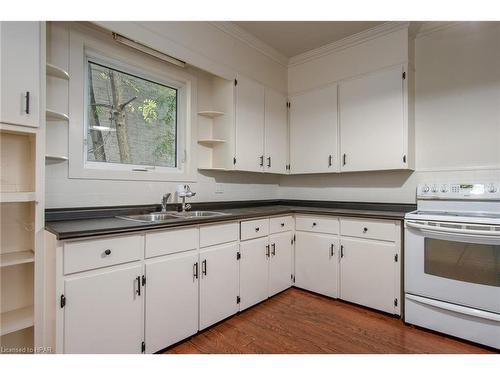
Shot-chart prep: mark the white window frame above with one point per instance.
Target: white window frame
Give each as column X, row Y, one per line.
column 108, row 53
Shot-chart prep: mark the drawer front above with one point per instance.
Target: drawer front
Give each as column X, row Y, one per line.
column 172, row 241
column 87, row 255
column 373, row 229
column 317, row 224
column 280, row 224
column 254, row 228
column 218, row 233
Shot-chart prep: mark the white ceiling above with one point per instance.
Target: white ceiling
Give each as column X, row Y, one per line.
column 292, row 38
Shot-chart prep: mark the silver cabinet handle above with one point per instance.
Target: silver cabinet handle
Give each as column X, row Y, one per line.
column 204, row 267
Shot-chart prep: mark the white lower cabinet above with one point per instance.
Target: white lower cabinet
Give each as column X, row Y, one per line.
column 316, row 263
column 171, row 299
column 280, row 262
column 219, row 283
column 104, row 311
column 368, row 273
column 254, row 271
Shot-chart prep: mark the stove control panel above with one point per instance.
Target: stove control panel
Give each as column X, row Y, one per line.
column 473, row 191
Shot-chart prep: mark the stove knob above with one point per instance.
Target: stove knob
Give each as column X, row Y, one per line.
column 425, row 189
column 434, row 188
column 491, row 188
column 444, row 188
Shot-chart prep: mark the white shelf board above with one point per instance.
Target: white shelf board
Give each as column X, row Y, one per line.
column 210, row 142
column 51, row 115
column 213, row 169
column 17, row 129
column 16, row 320
column 55, row 71
column 22, row 196
column 18, row 257
column 53, row 159
column 211, row 114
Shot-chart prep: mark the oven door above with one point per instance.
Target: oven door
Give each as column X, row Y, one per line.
column 453, row 262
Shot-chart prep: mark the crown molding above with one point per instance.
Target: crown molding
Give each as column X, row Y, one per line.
column 237, row 32
column 350, row 41
column 430, row 27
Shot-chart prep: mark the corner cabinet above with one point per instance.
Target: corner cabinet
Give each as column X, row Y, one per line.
column 20, row 74
column 373, row 119
column 313, row 131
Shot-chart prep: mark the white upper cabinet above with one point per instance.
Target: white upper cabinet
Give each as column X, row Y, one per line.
column 20, row 73
column 313, row 131
column 276, row 133
column 373, row 121
column 249, row 127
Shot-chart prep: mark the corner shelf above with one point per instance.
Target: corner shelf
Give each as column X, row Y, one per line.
column 210, row 114
column 23, row 196
column 53, row 159
column 55, row 71
column 18, row 257
column 214, row 169
column 210, row 142
column 51, row 115
column 16, row 320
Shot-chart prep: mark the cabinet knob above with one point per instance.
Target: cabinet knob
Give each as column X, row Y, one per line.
column 282, row 225
column 365, row 229
column 257, row 229
column 107, row 251
column 314, row 224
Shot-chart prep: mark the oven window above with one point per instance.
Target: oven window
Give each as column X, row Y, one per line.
column 469, row 262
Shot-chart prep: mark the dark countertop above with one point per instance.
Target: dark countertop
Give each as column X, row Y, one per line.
column 79, row 223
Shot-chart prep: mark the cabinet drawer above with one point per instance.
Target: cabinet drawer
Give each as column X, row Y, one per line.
column 374, row 229
column 280, row 224
column 317, row 224
column 254, row 228
column 218, row 233
column 172, row 241
column 86, row 255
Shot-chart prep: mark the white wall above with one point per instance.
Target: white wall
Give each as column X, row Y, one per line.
column 457, row 121
column 62, row 191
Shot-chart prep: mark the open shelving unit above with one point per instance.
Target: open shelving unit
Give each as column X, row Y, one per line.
column 215, row 125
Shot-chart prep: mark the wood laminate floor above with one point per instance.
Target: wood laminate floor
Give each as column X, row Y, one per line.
column 297, row 321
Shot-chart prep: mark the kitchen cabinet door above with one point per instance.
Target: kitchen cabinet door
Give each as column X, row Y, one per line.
column 276, row 133
column 368, row 273
column 313, row 131
column 316, row 263
column 249, row 129
column 373, row 121
column 219, row 283
column 104, row 311
column 171, row 299
column 254, row 271
column 280, row 262
column 20, row 73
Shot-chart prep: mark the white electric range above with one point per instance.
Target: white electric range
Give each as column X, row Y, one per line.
column 452, row 261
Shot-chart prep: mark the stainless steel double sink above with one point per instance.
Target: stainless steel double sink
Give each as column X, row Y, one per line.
column 158, row 217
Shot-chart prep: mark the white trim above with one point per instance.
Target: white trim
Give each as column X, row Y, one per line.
column 252, row 41
column 430, row 27
column 350, row 41
column 457, row 168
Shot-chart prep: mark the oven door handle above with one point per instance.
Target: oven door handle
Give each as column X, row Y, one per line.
column 464, row 232
column 455, row 308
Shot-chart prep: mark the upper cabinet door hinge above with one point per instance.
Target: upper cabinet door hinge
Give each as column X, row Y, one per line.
column 238, row 255
column 395, row 302
column 404, row 75
column 143, row 280
column 63, row 300
column 238, row 299
column 143, row 347
column 236, row 82
column 396, row 257
column 234, row 161
column 404, row 158
column 288, row 104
